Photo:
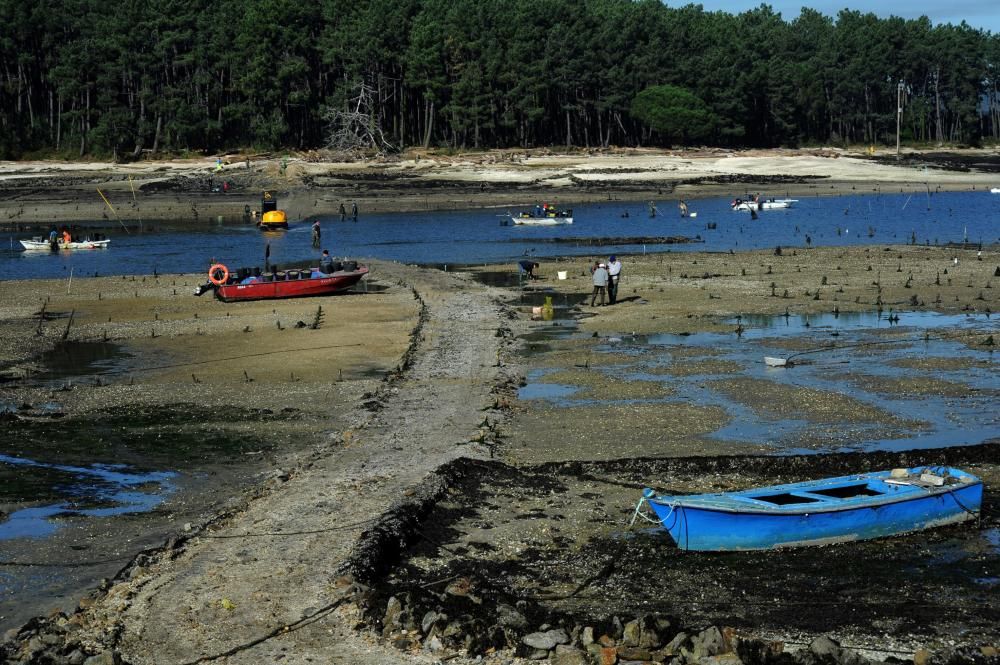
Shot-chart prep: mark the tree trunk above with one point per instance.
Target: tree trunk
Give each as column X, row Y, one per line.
column 937, row 100
column 569, row 136
column 430, row 123
column 156, row 134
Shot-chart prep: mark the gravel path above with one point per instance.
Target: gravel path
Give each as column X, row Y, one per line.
column 264, row 583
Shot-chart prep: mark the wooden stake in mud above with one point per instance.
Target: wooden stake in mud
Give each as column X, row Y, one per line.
column 69, row 324
column 138, row 214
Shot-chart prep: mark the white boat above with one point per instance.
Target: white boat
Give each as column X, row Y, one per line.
column 38, row 244
column 769, row 204
column 995, row 190
column 542, row 221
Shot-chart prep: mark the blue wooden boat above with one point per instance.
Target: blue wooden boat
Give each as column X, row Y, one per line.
column 819, row 512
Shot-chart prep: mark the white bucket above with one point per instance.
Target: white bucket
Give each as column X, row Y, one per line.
column 562, row 274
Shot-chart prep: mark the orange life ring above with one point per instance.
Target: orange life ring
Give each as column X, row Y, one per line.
column 213, row 272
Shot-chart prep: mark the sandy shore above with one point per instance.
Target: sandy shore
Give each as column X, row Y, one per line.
column 36, row 194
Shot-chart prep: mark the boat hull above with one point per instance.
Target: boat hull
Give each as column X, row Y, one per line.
column 44, row 246
column 291, row 288
column 542, row 221
column 764, row 205
column 707, row 523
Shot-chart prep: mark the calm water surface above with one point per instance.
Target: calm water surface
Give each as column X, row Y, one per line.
column 477, row 236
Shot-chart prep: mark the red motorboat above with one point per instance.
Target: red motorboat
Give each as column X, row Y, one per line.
column 247, row 285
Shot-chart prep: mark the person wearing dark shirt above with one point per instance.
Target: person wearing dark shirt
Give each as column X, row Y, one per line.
column 528, row 267
column 326, row 262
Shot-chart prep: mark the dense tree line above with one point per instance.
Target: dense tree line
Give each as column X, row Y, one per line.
column 89, row 77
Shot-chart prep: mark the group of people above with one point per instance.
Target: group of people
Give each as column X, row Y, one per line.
column 55, row 237
column 606, row 277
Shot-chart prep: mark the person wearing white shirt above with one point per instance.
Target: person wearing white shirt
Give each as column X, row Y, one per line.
column 614, row 274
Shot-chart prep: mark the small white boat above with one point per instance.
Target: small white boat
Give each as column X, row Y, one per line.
column 38, row 244
column 995, row 190
column 769, row 204
column 541, row 221
column 771, row 361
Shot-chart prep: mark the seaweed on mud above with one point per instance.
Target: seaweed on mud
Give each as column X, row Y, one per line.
column 144, row 436
column 925, row 584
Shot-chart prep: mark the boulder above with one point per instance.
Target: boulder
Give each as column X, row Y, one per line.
column 708, row 642
column 568, row 655
column 546, row 640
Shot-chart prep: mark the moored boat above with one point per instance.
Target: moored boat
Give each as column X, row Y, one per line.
column 543, row 215
column 271, row 218
column 995, row 190
column 246, row 284
column 39, row 244
column 819, row 512
column 757, row 205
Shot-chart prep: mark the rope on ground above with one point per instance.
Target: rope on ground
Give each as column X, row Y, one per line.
column 265, row 534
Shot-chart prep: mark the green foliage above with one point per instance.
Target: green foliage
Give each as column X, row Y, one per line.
column 82, row 76
column 674, row 113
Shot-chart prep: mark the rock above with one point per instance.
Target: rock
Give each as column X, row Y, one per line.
column 823, row 646
column 634, row 653
column 631, row 633
column 674, row 646
column 546, row 640
column 509, row 617
column 103, row 658
column 567, row 655
column 538, row 654
column 434, row 644
column 921, row 657
column 708, row 642
column 428, row 622
column 602, row 655
column 76, row 657
column 988, row 651
column 393, row 609
column 587, row 636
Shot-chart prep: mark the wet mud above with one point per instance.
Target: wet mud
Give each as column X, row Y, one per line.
column 553, row 540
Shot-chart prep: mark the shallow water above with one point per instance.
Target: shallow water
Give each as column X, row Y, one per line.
column 862, row 354
column 98, row 490
column 470, row 237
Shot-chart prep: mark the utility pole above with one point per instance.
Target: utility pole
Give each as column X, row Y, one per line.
column 899, row 113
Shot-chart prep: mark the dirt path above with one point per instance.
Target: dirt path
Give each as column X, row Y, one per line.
column 277, row 563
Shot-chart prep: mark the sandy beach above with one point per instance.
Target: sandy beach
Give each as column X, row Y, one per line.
column 379, row 492
column 36, row 194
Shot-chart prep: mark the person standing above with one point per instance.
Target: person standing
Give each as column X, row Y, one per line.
column 343, row 213
column 614, row 274
column 326, row 262
column 316, row 233
column 354, row 210
column 600, row 283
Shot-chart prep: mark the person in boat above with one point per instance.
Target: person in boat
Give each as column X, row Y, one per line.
column 538, row 210
column 316, row 232
column 326, row 262
column 528, row 268
column 600, row 283
column 614, row 274
column 53, row 235
column 66, row 237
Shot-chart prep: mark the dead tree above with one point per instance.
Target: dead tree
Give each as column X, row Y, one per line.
column 355, row 130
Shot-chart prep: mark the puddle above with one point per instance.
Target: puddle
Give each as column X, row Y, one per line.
column 800, row 324
column 919, row 409
column 70, row 360
column 98, row 490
